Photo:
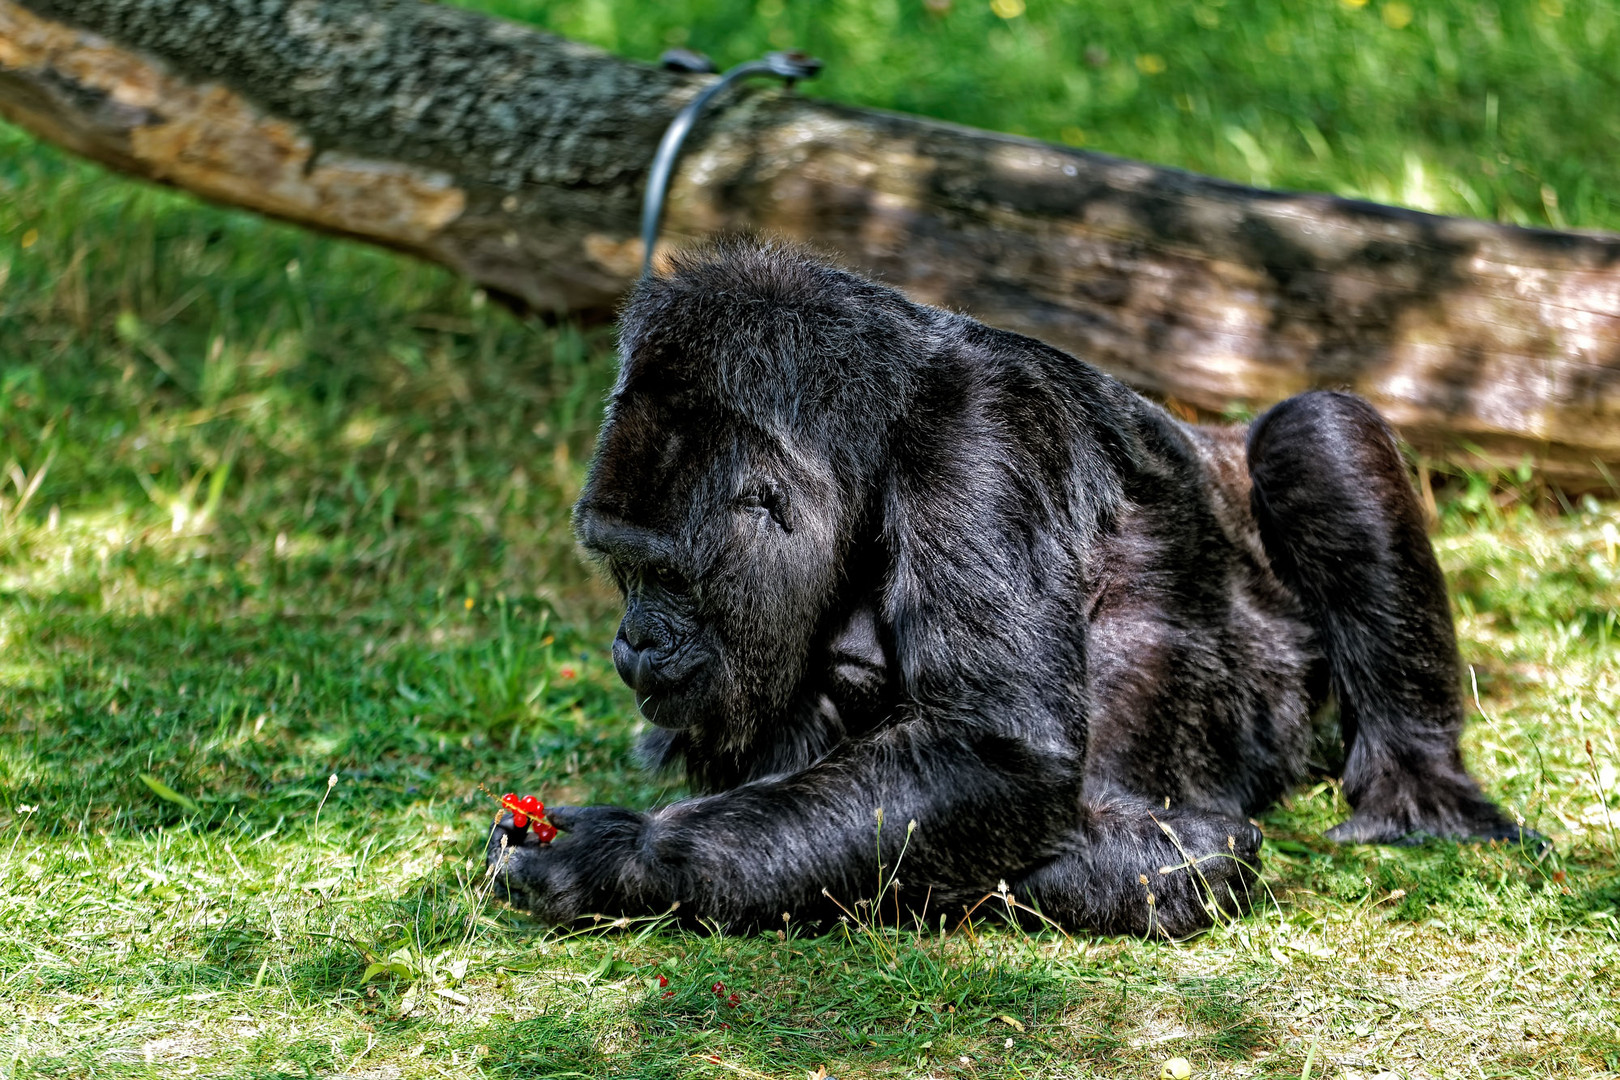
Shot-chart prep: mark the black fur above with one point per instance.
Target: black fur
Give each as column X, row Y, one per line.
column 877, row 555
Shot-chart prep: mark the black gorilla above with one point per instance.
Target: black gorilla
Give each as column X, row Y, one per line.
column 877, row 555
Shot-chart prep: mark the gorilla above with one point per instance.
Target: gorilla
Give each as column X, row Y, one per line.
column 925, row 604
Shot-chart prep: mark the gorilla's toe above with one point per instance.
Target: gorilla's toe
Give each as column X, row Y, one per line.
column 1518, row 836
column 1367, row 829
column 1407, row 809
column 1371, row 828
column 1231, row 879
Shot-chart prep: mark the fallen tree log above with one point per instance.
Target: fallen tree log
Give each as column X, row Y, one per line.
column 519, row 158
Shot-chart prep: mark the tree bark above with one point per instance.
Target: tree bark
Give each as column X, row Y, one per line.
column 519, row 158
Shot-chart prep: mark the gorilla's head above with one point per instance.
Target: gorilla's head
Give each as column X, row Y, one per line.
column 735, row 472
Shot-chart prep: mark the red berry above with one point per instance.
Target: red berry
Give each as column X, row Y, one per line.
column 719, row 988
column 545, row 832
column 510, row 801
column 531, row 805
column 663, row 980
column 668, row 993
column 520, row 821
column 733, row 1001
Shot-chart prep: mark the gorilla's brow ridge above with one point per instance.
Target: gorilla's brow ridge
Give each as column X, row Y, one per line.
column 618, row 539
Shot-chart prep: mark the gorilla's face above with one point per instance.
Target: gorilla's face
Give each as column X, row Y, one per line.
column 724, row 544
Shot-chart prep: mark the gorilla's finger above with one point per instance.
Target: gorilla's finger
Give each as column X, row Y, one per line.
column 565, row 817
column 507, row 828
column 502, row 839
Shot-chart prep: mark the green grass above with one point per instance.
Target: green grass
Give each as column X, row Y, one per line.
column 277, row 509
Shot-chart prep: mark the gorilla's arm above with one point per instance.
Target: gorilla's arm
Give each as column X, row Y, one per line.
column 986, row 806
column 986, row 809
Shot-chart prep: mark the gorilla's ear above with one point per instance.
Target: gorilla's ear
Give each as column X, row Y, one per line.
column 780, row 504
column 772, row 497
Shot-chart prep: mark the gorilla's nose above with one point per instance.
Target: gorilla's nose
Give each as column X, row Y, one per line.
column 637, row 635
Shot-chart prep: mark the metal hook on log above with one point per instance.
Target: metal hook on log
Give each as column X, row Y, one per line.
column 790, row 67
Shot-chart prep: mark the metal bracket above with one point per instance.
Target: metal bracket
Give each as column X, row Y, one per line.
column 790, row 67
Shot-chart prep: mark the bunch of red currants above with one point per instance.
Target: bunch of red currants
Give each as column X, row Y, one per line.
column 528, row 808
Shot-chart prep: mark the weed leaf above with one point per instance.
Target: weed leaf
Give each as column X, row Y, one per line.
column 168, row 794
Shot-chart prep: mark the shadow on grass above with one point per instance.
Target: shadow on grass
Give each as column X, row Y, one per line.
column 555, row 1044
column 790, row 1005
column 248, row 716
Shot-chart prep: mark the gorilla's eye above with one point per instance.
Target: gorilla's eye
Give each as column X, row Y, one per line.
column 752, row 502
column 668, row 580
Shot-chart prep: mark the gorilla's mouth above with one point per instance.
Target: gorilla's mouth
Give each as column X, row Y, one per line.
column 666, row 699
column 679, row 710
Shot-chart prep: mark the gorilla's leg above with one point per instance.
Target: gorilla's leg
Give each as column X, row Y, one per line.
column 1343, row 528
column 1136, row 868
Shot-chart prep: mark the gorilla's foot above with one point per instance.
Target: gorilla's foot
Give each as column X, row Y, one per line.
column 1371, row 828
column 1139, row 870
column 1414, row 811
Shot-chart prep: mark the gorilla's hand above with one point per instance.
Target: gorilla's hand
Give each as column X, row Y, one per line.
column 1134, row 868
column 592, row 867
